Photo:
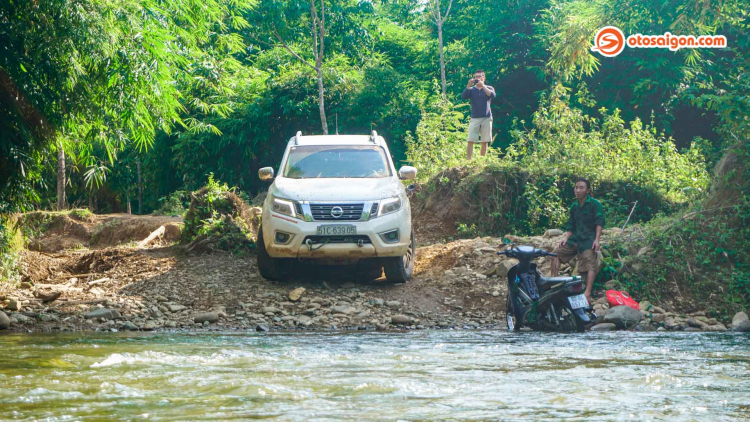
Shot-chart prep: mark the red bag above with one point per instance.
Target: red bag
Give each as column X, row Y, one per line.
column 615, row 298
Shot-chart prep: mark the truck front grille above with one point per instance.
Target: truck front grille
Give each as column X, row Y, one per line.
column 355, row 238
column 349, row 212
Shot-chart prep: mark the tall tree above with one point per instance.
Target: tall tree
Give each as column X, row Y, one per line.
column 439, row 18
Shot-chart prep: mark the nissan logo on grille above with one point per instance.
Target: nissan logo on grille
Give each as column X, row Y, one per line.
column 337, row 212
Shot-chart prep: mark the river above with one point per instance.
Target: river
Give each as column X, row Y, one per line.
column 420, row 375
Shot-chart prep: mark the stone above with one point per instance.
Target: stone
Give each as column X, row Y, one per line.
column 170, row 324
column 744, row 327
column 660, row 329
column 644, row 306
column 400, row 320
column 658, row 317
column 696, row 323
column 503, row 268
column 381, row 327
column 610, row 285
column 393, row 304
column 129, row 326
column 607, row 326
column 102, row 313
column 692, row 329
column 717, row 328
column 50, row 317
column 658, row 310
column 14, row 305
column 304, row 320
column 176, row 308
column 296, row 294
column 160, row 298
column 209, row 317
column 644, row 251
column 21, row 318
column 271, row 309
column 25, row 285
column 495, row 293
column 261, row 327
column 343, row 309
column 553, row 233
column 4, row 321
column 377, row 302
column 738, row 318
column 623, row 316
column 644, row 326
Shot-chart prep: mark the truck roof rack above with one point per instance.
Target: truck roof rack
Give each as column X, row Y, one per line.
column 297, row 136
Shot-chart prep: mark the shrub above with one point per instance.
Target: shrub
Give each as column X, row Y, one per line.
column 11, row 241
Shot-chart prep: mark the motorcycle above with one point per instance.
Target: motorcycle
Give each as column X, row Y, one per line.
column 543, row 303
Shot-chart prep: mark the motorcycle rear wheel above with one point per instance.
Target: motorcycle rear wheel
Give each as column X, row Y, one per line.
column 570, row 322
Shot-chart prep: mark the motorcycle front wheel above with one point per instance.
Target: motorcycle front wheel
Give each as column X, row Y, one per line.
column 510, row 316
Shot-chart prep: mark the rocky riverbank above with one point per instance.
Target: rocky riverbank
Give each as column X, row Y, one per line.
column 160, row 286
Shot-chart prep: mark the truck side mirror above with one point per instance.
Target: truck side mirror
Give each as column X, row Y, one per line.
column 266, row 173
column 407, row 173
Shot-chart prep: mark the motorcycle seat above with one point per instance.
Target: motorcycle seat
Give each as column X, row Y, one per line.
column 550, row 281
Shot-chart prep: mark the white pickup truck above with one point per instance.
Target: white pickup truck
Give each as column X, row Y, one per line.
column 337, row 199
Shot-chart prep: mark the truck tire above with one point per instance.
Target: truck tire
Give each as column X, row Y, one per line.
column 267, row 265
column 400, row 268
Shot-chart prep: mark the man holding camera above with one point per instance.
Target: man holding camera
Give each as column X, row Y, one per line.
column 480, row 126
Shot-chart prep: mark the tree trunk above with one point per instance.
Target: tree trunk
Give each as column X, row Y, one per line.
column 321, row 101
column 60, row 177
column 127, row 199
column 91, row 201
column 442, row 57
column 140, row 188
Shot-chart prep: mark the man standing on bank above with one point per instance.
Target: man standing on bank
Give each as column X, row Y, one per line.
column 582, row 236
column 480, row 126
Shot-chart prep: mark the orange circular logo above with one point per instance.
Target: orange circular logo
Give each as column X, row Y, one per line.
column 609, row 41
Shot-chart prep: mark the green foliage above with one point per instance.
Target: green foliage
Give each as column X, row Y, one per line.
column 702, row 250
column 175, row 204
column 219, row 219
column 11, row 241
column 531, row 188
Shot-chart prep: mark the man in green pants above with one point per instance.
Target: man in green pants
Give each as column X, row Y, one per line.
column 581, row 239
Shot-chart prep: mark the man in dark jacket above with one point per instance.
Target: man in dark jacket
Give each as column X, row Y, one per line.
column 480, row 126
column 581, row 239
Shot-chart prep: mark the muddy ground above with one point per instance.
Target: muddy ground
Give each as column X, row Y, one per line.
column 99, row 273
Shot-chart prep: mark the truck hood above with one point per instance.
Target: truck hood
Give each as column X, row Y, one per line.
column 343, row 189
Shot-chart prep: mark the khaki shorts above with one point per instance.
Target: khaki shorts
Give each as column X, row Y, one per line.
column 586, row 260
column 480, row 126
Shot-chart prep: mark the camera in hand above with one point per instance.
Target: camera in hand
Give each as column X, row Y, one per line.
column 475, row 80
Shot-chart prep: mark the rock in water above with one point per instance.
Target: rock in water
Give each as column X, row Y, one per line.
column 261, row 327
column 744, row 327
column 738, row 318
column 4, row 321
column 296, row 294
column 607, row 326
column 209, row 317
column 401, row 320
column 623, row 316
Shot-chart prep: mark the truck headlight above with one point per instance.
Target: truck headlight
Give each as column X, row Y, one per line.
column 390, row 205
column 283, row 206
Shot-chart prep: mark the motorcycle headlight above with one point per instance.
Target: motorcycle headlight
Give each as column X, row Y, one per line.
column 283, row 206
column 389, row 205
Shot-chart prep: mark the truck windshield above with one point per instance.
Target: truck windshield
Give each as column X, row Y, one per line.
column 332, row 161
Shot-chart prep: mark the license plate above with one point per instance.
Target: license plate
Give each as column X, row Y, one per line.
column 337, row 229
column 578, row 301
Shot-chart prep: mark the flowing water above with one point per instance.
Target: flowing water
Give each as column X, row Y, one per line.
column 425, row 375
